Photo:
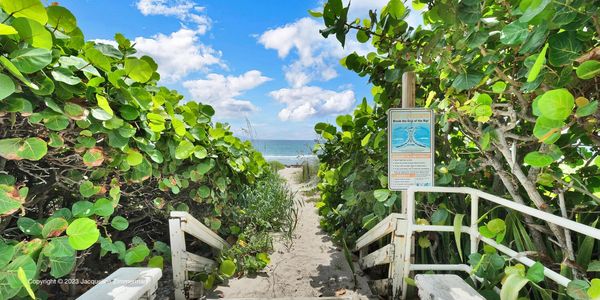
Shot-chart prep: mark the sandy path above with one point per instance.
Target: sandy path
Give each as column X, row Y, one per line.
column 312, row 267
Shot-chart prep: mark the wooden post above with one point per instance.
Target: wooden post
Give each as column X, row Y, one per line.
column 177, row 240
column 396, row 270
column 408, row 101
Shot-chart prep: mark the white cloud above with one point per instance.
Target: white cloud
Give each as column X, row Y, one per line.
column 222, row 92
column 179, row 53
column 184, row 10
column 317, row 57
column 308, row 101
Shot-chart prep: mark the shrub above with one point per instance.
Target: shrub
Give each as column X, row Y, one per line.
column 266, row 208
column 94, row 153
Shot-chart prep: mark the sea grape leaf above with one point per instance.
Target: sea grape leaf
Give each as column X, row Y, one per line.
column 31, row 60
column 556, row 104
column 588, row 69
column 61, row 18
column 30, row 9
column 538, row 160
column 32, row 32
column 7, row 86
column 54, row 227
column 23, row 148
column 82, row 233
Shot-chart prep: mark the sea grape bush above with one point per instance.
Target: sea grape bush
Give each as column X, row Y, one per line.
column 514, row 84
column 94, row 153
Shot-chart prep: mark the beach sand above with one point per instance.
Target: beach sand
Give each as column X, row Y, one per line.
column 312, row 266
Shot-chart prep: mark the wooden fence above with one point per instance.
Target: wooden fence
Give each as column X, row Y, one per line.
column 184, row 262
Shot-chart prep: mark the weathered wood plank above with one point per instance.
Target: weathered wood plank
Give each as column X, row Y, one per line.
column 384, row 227
column 445, row 287
column 178, row 254
column 381, row 287
column 382, row 256
column 194, row 289
column 126, row 284
column 197, row 263
column 190, row 225
column 398, row 264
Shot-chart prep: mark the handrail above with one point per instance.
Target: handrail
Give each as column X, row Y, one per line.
column 384, row 227
column 181, row 223
column 473, row 231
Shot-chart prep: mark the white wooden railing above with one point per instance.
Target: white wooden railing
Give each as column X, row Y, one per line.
column 126, row 284
column 392, row 254
column 184, row 262
column 403, row 227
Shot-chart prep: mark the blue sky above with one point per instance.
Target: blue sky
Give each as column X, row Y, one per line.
column 261, row 60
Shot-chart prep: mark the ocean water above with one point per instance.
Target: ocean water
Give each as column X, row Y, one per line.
column 288, row 152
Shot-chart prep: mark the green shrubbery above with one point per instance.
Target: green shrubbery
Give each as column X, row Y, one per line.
column 265, row 208
column 515, row 89
column 94, row 154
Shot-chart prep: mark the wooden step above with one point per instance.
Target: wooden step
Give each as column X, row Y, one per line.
column 445, row 287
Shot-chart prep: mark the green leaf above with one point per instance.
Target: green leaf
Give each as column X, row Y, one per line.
column 136, row 254
column 499, row 87
column 381, row 195
column 439, row 217
column 93, row 157
column 31, row 60
column 556, row 104
column 134, row 157
column 6, row 254
column 547, row 130
column 468, row 80
column 34, row 33
column 227, row 268
column 535, row 7
column 578, row 289
column 316, row 14
column 458, row 220
column 184, row 150
column 588, row 69
column 25, row 282
column 19, row 148
column 496, row 226
column 65, row 75
column 129, row 113
column 7, row 86
column 138, row 70
column 512, row 286
column 54, row 227
column 594, row 266
column 87, row 189
column 61, row 18
column 62, row 265
column 538, row 160
column 514, row 33
column 103, row 104
column 537, row 66
column 103, row 207
column 564, row 48
column 31, row 9
column 396, row 9
column 587, row 110
column 83, row 209
column 141, row 172
column 29, row 226
column 119, row 223
column 156, row 262
column 535, row 273
column 7, row 30
column 594, row 291
column 98, row 59
column 82, row 233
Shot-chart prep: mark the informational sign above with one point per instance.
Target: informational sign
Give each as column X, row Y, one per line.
column 410, row 148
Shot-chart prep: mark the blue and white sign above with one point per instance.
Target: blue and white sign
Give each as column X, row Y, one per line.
column 410, row 148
